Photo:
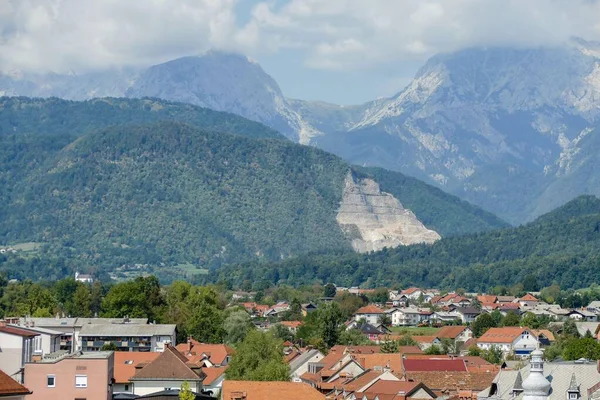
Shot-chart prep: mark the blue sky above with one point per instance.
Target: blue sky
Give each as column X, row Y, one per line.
column 342, row 51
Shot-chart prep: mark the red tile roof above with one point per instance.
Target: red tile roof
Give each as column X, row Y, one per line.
column 216, row 353
column 528, row 297
column 291, row 324
column 391, row 387
column 409, row 350
column 410, row 290
column 393, row 361
column 507, row 334
column 10, row 387
column 125, row 362
column 367, row 349
column 235, row 390
column 212, row 374
column 487, row 298
column 12, row 330
column 170, row 364
column 452, row 382
column 424, row 365
column 450, row 332
column 369, row 309
column 424, row 339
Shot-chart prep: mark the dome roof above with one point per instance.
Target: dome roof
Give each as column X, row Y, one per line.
column 536, row 384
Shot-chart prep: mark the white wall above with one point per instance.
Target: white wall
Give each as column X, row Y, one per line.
column 11, row 354
column 304, row 367
column 146, row 387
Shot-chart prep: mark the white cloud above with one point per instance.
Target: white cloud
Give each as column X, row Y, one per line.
column 401, row 30
column 82, row 34
column 329, row 34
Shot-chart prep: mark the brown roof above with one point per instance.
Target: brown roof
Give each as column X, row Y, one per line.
column 393, row 361
column 8, row 386
column 438, row 364
column 544, row 332
column 291, row 324
column 424, row 339
column 369, row 309
column 507, row 334
column 410, row 290
column 450, row 332
column 246, row 390
column 528, row 297
column 453, row 381
column 216, row 353
column 367, row 349
column 487, row 298
column 212, row 374
column 170, row 364
column 125, row 362
column 410, row 350
column 12, row 330
column 353, row 384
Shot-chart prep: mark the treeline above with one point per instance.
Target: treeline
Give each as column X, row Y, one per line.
column 561, row 247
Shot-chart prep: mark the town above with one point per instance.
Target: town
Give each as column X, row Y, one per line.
column 324, row 342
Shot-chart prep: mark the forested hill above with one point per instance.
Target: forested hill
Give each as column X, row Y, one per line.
column 193, row 186
column 562, row 246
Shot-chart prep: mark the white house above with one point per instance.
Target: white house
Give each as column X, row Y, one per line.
column 445, row 316
column 467, row 314
column 409, row 316
column 412, row 293
column 299, row 365
column 47, row 340
column 521, row 341
column 84, row 278
column 16, row 348
column 167, row 371
column 369, row 313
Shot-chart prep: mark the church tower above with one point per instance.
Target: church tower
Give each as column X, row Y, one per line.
column 536, row 386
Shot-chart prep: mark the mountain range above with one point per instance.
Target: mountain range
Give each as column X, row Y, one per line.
column 514, row 131
column 110, row 182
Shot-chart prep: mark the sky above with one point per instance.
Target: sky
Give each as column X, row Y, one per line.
column 341, row 51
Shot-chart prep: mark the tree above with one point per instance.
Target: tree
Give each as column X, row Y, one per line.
column 379, row 296
column 407, row 340
column 482, row 323
column 474, row 351
column 109, row 347
column 82, row 301
column 434, row 350
column 493, row 355
column 259, row 296
column 236, row 325
column 282, row 332
column 550, row 294
column 329, row 290
column 330, row 318
column 389, row 346
column 349, row 303
column 476, row 304
column 185, row 392
column 530, row 320
column 259, row 358
column 511, row 319
column 352, row 337
column 587, row 348
column 140, row 298
column 385, row 319
column 530, row 283
column 206, row 324
column 569, row 329
column 449, row 346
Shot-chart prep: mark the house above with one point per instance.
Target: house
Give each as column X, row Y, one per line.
column 84, row 278
column 370, row 331
column 11, row 389
column 47, row 341
column 457, row 333
column 64, row 375
column 277, row 309
column 412, row 293
column 565, row 380
column 521, row 341
column 487, row 299
column 125, row 363
column 16, row 349
column 433, row 364
column 396, row 390
column 345, row 387
column 307, row 308
column 247, row 390
column 369, row 313
column 467, row 314
column 240, row 295
column 409, row 316
column 528, row 300
column 594, row 307
column 398, row 299
column 127, row 337
column 70, row 328
column 299, row 365
column 445, row 317
column 213, row 380
column 210, row 355
column 292, row 325
column 583, row 315
column 167, row 371
column 335, row 364
column 545, row 337
column 381, row 362
column 425, row 342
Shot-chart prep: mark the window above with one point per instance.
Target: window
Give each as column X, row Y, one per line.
column 51, row 381
column 127, row 388
column 573, row 396
column 80, row 381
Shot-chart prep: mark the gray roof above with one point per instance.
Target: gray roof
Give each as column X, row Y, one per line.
column 37, row 329
column 126, row 330
column 73, row 322
column 559, row 374
column 85, row 355
column 583, row 327
column 302, row 359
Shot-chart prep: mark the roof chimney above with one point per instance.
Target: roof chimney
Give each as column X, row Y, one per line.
column 189, row 342
column 238, row 395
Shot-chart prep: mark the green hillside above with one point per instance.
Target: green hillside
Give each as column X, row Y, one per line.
column 97, row 190
column 561, row 246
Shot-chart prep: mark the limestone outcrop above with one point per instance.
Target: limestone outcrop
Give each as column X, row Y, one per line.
column 373, row 219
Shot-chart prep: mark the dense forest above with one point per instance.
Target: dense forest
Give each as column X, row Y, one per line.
column 186, row 185
column 559, row 247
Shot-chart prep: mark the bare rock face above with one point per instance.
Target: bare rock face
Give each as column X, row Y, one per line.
column 374, row 220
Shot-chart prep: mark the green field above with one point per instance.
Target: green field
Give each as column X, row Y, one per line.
column 27, row 246
column 191, row 269
column 414, row 331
